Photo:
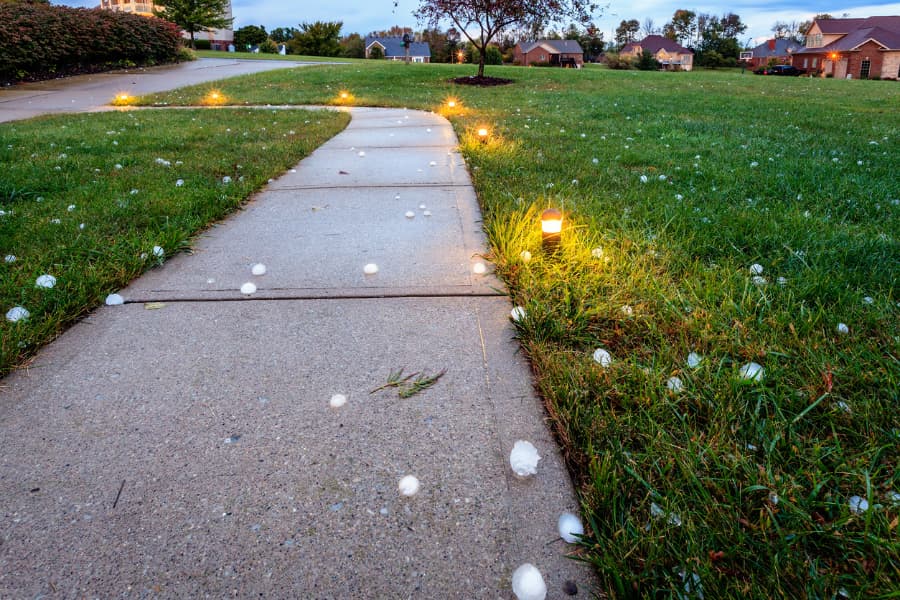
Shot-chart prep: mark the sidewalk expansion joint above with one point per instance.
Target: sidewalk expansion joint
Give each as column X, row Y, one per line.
column 384, row 296
column 368, row 186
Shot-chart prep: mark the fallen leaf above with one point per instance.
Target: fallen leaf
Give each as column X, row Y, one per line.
column 154, row 305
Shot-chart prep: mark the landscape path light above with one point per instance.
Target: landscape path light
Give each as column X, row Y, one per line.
column 483, row 134
column 551, row 228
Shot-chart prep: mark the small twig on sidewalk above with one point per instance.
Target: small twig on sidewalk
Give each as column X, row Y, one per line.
column 407, row 388
column 395, row 379
column 121, row 487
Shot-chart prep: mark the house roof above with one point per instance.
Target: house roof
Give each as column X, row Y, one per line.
column 835, row 26
column 553, row 46
column 782, row 47
column 393, row 46
column 655, row 43
column 884, row 31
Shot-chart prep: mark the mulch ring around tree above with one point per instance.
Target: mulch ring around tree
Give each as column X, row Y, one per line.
column 481, row 81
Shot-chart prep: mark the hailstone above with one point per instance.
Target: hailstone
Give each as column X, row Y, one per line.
column 569, row 526
column 408, row 485
column 45, row 281
column 528, row 583
column 370, row 269
column 338, row 400
column 410, row 214
column 674, row 384
column 602, row 357
column 752, row 372
column 694, row 360
column 525, row 255
column 842, row 328
column 479, row 268
column 517, row 313
column 524, row 458
column 17, row 313
column 858, row 505
column 158, row 251
column 248, row 288
column 756, row 269
column 114, row 300
column 258, row 269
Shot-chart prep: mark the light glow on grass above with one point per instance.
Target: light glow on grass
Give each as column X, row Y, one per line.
column 214, row 98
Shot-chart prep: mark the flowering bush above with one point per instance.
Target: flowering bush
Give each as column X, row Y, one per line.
column 38, row 41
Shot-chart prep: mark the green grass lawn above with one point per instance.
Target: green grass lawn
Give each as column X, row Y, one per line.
column 86, row 199
column 674, row 187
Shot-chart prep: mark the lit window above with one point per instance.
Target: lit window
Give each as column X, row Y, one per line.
column 864, row 68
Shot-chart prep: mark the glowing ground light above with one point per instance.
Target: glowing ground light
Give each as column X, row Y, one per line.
column 551, row 228
column 122, row 99
column 214, row 98
column 483, row 134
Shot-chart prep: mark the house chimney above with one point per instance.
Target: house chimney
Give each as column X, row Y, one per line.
column 772, row 45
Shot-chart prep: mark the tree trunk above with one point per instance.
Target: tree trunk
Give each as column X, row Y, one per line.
column 481, row 61
column 193, row 45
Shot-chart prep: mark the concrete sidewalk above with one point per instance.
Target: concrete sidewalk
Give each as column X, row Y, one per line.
column 190, row 449
column 95, row 92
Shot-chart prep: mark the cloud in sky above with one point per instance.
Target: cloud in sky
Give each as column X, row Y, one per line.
column 364, row 16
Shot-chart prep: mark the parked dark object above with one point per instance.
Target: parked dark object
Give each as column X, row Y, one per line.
column 780, row 70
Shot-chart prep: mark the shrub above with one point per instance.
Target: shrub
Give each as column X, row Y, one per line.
column 185, row 54
column 376, row 52
column 619, row 62
column 203, row 44
column 647, row 62
column 38, row 41
column 268, row 47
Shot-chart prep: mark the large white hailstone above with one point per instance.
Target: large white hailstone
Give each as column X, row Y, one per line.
column 179, row 182
column 752, row 372
column 17, row 313
column 517, row 313
column 525, row 255
column 45, row 281
column 158, row 251
column 248, row 288
column 10, row 258
column 597, row 252
column 602, row 357
column 408, row 485
column 643, row 179
column 479, row 268
column 410, row 214
column 70, row 208
column 842, row 328
column 226, row 179
column 370, row 269
column 524, row 458
column 756, row 269
column 114, row 300
column 694, row 360
column 528, row 583
column 258, row 269
column 427, row 213
column 569, row 526
column 858, row 505
column 361, row 153
column 674, row 384
column 338, row 400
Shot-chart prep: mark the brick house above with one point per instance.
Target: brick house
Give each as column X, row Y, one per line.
column 392, row 48
column 852, row 48
column 671, row 55
column 557, row 53
column 780, row 51
column 219, row 39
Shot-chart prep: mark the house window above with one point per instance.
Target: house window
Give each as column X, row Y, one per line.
column 815, row 60
column 543, row 58
column 805, row 61
column 864, row 68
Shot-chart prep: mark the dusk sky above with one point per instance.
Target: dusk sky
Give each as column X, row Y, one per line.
column 364, row 16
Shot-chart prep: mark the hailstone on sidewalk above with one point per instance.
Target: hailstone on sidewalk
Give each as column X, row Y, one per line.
column 370, row 269
column 409, row 485
column 569, row 526
column 524, row 458
column 248, row 288
column 528, row 583
column 114, row 300
column 258, row 269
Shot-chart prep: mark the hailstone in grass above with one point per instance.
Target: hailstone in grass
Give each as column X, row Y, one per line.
column 569, row 526
column 644, row 179
column 596, row 161
column 517, row 313
column 694, row 360
column 408, row 485
column 752, row 372
column 602, row 357
column 597, row 252
column 528, row 583
column 226, row 179
column 756, row 269
column 158, row 251
column 868, row 300
column 759, row 280
column 10, row 258
column 674, row 384
column 55, row 221
column 337, row 400
column 479, row 268
column 258, row 269
column 858, row 505
column 525, row 255
column 782, row 281
column 45, row 281
column 17, row 313
column 627, row 310
column 114, row 300
column 248, row 288
column 754, row 164
column 370, row 269
column 893, row 498
column 524, row 458
column 410, row 214
column 842, row 328
column 70, row 208
column 179, row 182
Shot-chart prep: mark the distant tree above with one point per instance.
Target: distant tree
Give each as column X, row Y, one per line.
column 720, row 36
column 803, row 28
column 490, row 17
column 353, row 46
column 649, row 27
column 396, row 31
column 682, row 27
column 268, row 47
column 318, row 39
column 196, row 15
column 437, row 41
column 282, row 35
column 592, row 43
column 250, row 35
column 627, row 32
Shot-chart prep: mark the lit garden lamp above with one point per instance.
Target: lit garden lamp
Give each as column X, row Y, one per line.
column 483, row 134
column 214, row 98
column 551, row 229
column 122, row 99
